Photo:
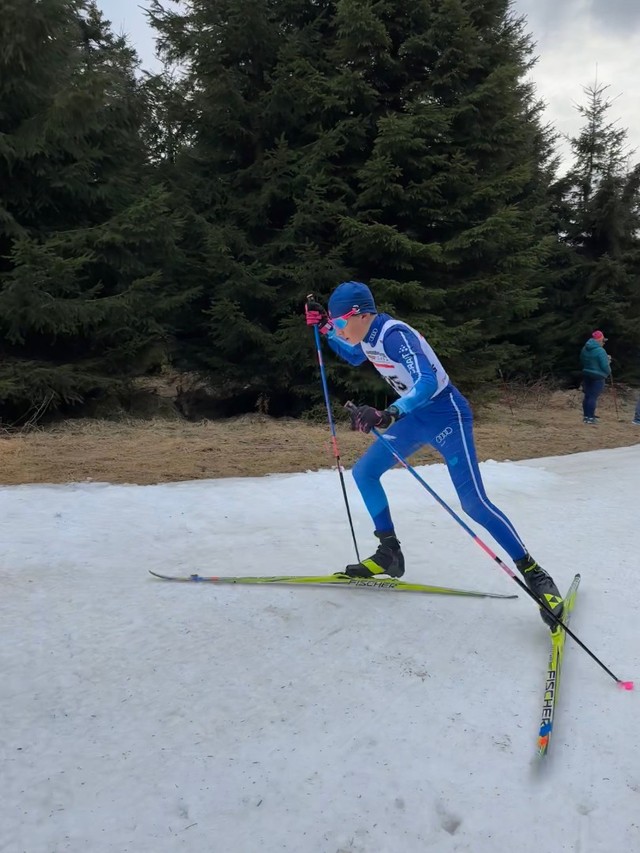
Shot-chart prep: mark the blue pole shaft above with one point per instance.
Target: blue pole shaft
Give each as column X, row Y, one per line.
column 334, row 438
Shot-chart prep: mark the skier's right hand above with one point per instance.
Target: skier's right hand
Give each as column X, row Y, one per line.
column 315, row 315
column 366, row 418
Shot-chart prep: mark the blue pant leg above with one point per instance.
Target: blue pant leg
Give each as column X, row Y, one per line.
column 592, row 387
column 454, row 440
column 407, row 436
column 588, row 403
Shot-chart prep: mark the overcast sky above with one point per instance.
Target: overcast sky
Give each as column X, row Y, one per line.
column 575, row 41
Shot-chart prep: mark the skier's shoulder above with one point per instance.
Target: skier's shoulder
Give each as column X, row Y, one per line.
column 392, row 326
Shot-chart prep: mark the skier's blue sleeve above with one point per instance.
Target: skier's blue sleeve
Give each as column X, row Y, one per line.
column 354, row 355
column 402, row 345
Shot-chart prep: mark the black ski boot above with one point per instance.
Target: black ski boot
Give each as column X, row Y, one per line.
column 387, row 560
column 541, row 584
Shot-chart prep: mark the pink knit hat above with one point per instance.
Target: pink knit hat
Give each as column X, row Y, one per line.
column 598, row 335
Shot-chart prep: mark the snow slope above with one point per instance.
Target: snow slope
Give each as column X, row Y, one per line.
column 138, row 715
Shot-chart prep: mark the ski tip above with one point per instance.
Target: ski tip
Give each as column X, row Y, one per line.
column 625, row 685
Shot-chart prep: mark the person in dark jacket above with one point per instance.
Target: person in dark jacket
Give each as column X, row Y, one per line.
column 595, row 370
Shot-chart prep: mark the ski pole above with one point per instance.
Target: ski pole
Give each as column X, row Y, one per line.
column 624, row 685
column 615, row 397
column 334, row 438
column 506, row 388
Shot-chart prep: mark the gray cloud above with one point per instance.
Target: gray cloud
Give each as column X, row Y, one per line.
column 617, row 15
column 543, row 15
column 552, row 20
column 577, row 43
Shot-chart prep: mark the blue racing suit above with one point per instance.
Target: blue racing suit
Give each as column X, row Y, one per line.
column 433, row 412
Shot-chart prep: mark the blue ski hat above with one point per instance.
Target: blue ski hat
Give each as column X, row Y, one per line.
column 350, row 295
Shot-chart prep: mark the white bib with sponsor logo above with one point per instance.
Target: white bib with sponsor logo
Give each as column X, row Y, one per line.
column 394, row 372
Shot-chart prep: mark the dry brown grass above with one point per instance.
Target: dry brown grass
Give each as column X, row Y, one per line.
column 523, row 426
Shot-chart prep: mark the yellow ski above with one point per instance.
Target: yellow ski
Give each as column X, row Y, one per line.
column 552, row 683
column 337, row 579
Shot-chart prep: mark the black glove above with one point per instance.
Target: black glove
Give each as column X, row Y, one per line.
column 365, row 418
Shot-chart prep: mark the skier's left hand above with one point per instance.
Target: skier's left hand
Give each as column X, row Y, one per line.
column 315, row 315
column 365, row 418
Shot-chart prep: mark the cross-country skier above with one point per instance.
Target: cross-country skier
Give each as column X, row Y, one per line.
column 430, row 410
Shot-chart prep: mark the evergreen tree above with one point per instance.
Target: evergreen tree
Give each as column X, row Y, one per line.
column 598, row 205
column 167, row 120
column 86, row 241
column 390, row 141
column 451, row 220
